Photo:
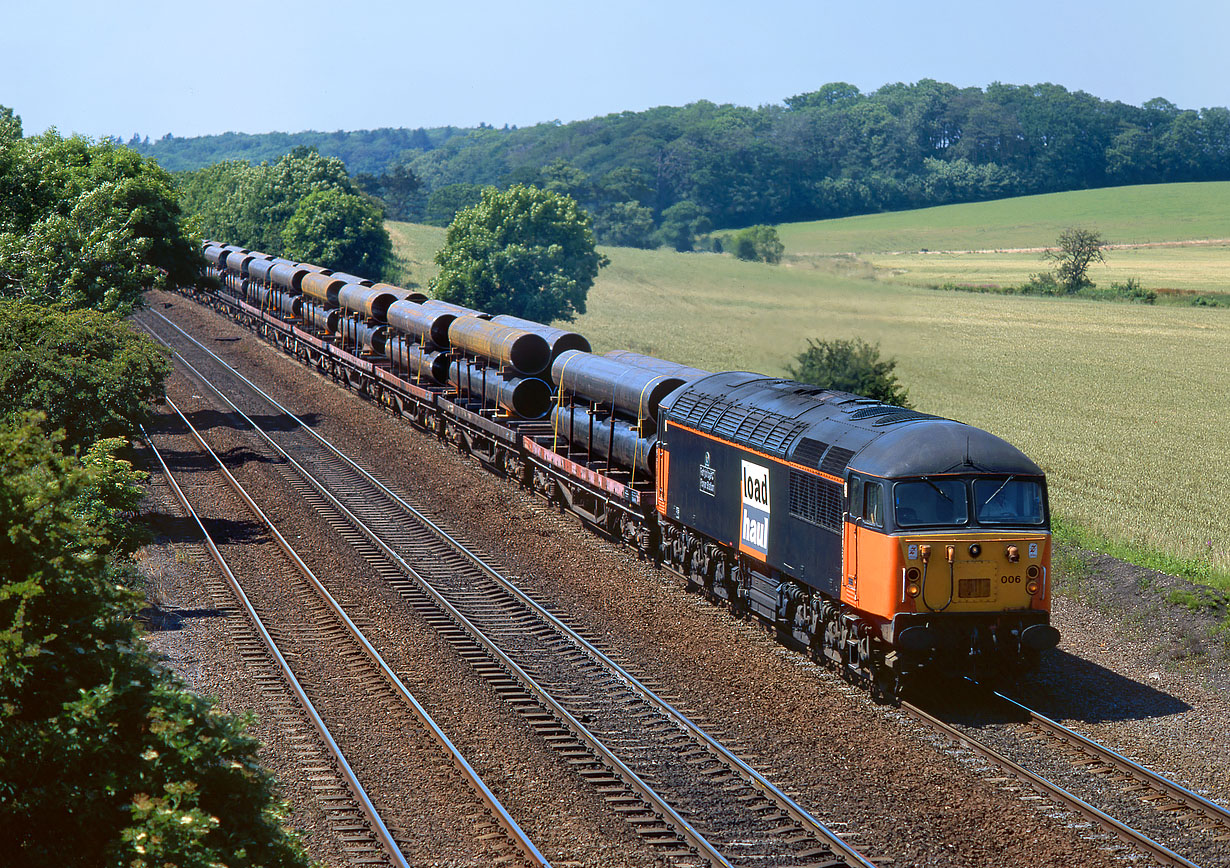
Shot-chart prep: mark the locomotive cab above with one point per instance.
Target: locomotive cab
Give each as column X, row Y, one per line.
column 951, row 564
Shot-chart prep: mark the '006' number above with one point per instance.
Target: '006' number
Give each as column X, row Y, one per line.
column 1009, row 580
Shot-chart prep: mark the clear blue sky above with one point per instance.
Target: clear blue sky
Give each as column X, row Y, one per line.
column 159, row 66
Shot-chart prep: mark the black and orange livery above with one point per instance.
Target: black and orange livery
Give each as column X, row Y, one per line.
column 881, row 538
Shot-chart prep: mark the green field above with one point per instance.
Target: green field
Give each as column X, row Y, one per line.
column 1124, row 215
column 1125, row 406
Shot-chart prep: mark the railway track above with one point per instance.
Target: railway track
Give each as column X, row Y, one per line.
column 680, row 789
column 355, row 819
column 1139, row 796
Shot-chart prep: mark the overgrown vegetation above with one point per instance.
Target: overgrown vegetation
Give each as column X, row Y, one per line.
column 850, row 366
column 105, row 757
column 85, row 225
column 521, row 251
column 303, row 206
column 90, row 374
column 827, row 153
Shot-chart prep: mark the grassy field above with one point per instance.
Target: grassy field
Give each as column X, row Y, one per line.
column 1124, row 215
column 1125, row 406
column 1188, row 269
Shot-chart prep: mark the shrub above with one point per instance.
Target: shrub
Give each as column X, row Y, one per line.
column 850, row 366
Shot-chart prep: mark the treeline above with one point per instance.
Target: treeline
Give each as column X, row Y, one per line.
column 105, row 757
column 363, row 151
column 828, row 153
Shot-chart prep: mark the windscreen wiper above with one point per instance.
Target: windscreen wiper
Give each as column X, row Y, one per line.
column 997, row 491
column 942, row 493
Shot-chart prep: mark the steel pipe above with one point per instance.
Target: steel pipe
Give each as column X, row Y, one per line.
column 424, row 364
column 259, row 269
column 352, row 278
column 634, row 391
column 610, row 438
column 320, row 317
column 357, row 336
column 370, row 301
column 455, row 309
column 527, row 352
column 662, row 366
column 322, row 287
column 288, row 275
column 527, row 397
column 426, row 325
column 558, row 339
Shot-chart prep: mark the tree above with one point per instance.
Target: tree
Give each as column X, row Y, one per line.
column 339, row 231
column 444, row 203
column 521, row 251
column 105, row 759
column 625, row 224
column 681, row 223
column 850, row 366
column 91, row 373
column 86, row 225
column 1078, row 249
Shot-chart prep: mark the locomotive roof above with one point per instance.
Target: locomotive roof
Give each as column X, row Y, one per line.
column 832, row 430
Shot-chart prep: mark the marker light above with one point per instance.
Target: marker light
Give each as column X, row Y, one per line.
column 1032, row 572
column 1032, row 586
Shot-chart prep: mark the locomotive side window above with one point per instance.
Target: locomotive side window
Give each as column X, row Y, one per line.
column 856, row 497
column 931, row 502
column 873, row 503
column 1008, row 501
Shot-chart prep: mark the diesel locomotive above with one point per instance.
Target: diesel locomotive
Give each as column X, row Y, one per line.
column 881, row 540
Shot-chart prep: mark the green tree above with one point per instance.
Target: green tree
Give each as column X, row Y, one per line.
column 340, row 231
column 1078, row 249
column 850, row 366
column 521, row 251
column 401, row 191
column 91, row 373
column 625, row 224
column 681, row 223
column 104, row 758
column 86, row 225
column 444, row 203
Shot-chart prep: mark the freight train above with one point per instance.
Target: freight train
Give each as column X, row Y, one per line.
column 881, row 540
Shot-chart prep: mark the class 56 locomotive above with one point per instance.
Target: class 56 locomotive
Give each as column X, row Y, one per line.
column 881, row 539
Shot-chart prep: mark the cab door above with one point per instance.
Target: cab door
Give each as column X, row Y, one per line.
column 866, row 521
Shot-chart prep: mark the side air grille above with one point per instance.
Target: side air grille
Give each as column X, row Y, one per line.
column 836, row 460
column 809, row 452
column 815, row 501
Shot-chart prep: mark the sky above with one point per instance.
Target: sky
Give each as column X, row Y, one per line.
column 153, row 67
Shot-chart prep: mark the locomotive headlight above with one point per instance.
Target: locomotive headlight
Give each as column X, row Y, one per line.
column 975, row 550
column 1032, row 586
column 1032, row 572
column 912, row 588
column 911, row 582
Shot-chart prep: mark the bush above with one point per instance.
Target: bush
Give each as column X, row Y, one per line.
column 90, row 373
column 754, row 244
column 850, row 366
column 105, row 759
column 1132, row 290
